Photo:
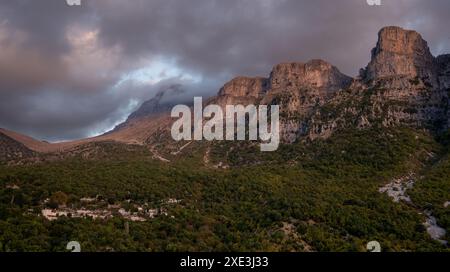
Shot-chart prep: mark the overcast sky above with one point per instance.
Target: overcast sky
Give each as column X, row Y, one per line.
column 71, row 72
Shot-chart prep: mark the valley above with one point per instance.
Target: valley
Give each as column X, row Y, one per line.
column 360, row 159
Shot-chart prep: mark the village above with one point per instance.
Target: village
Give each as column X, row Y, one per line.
column 95, row 208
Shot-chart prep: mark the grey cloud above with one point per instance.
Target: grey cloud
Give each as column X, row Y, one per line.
column 244, row 36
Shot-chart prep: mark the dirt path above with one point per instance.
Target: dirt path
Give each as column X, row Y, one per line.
column 206, row 156
column 181, row 148
column 156, row 155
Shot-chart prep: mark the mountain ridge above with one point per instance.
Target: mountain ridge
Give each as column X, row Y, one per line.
column 403, row 84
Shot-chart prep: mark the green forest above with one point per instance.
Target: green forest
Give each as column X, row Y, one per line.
column 307, row 196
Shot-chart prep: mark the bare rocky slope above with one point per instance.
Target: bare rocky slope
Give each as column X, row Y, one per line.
column 11, row 149
column 403, row 85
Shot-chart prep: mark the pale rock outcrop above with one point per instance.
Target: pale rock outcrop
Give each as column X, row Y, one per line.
column 298, row 88
column 245, row 86
column 316, row 74
column 401, row 52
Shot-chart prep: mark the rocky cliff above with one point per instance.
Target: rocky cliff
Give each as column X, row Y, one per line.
column 401, row 52
column 297, row 87
column 404, row 84
column 317, row 74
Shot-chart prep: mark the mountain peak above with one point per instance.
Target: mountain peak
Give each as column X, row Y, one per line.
column 244, row 86
column 160, row 103
column 315, row 73
column 400, row 52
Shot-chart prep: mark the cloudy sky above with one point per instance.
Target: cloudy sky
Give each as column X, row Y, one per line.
column 71, row 72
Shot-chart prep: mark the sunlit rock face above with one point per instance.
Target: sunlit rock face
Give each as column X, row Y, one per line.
column 317, row 74
column 245, row 86
column 401, row 52
column 403, row 85
column 298, row 88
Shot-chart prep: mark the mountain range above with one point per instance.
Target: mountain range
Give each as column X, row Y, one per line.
column 403, row 85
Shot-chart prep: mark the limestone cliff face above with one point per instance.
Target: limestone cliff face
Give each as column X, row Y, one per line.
column 408, row 81
column 242, row 91
column 245, row 86
column 404, row 84
column 401, row 52
column 317, row 74
column 297, row 87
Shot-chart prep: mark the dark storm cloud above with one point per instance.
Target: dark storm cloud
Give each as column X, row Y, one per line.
column 68, row 72
column 241, row 37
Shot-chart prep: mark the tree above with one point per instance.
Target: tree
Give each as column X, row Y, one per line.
column 58, row 199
